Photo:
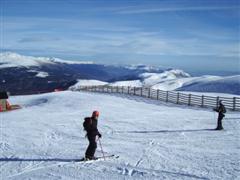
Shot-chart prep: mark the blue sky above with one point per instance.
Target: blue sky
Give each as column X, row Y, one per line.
column 194, row 35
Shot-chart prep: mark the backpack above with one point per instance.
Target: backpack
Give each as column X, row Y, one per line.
column 224, row 109
column 87, row 123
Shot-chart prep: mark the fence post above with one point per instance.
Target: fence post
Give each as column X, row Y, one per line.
column 134, row 91
column 128, row 89
column 202, row 104
column 217, row 101
column 189, row 99
column 122, row 89
column 177, row 97
column 234, row 103
column 167, row 97
column 117, row 89
column 149, row 93
column 157, row 94
column 141, row 91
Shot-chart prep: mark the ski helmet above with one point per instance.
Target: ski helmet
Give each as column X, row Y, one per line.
column 95, row 114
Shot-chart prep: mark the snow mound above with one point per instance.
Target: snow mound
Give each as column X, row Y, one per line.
column 133, row 83
column 87, row 83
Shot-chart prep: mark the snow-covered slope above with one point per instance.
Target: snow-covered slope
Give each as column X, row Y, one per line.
column 150, row 79
column 230, row 84
column 168, row 81
column 174, row 84
column 133, row 83
column 9, row 59
column 87, row 83
column 153, row 140
column 145, row 79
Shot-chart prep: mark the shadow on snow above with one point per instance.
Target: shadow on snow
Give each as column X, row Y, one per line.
column 38, row 159
column 167, row 131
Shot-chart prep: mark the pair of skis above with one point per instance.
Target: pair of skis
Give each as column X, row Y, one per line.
column 97, row 158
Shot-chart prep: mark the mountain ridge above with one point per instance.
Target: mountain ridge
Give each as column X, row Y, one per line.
column 19, row 74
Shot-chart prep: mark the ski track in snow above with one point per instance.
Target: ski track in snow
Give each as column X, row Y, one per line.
column 155, row 140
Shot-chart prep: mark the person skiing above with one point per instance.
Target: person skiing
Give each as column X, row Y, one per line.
column 221, row 110
column 90, row 125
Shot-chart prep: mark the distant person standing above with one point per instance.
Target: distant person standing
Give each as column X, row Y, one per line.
column 90, row 125
column 221, row 114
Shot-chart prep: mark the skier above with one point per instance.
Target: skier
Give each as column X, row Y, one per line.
column 221, row 110
column 90, row 125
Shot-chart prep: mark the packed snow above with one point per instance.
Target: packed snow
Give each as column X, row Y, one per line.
column 154, row 140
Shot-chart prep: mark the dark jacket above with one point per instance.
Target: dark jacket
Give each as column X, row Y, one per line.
column 221, row 110
column 92, row 129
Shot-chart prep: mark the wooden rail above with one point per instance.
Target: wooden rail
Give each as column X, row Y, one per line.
column 168, row 96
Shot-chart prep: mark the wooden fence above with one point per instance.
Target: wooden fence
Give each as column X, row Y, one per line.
column 168, row 96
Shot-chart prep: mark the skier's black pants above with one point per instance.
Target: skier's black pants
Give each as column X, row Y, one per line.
column 219, row 123
column 91, row 147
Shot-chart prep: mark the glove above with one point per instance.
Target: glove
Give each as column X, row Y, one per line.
column 99, row 135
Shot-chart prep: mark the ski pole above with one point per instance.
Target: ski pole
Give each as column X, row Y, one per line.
column 101, row 149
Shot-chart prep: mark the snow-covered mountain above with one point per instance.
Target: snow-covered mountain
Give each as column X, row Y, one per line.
column 216, row 84
column 154, row 141
column 27, row 74
column 9, row 59
column 19, row 74
column 144, row 79
column 229, row 84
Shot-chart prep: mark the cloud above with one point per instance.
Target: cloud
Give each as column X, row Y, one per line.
column 135, row 43
column 176, row 9
column 37, row 39
column 103, row 36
